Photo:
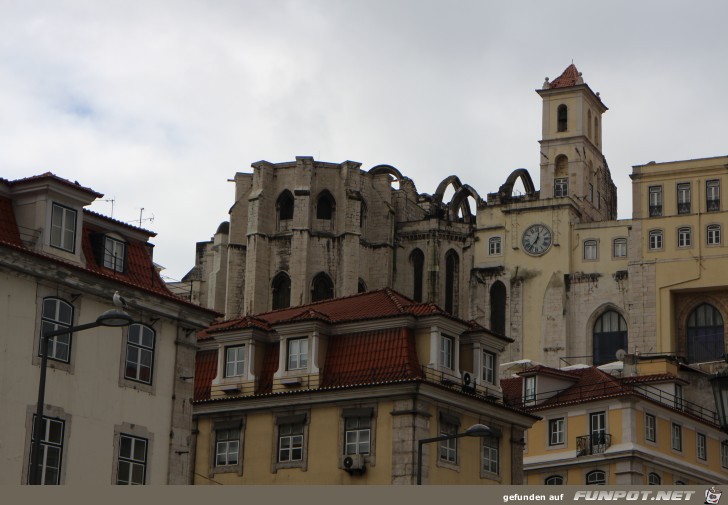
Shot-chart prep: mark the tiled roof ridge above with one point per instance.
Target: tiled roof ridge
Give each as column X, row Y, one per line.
column 121, row 223
column 51, row 175
column 569, row 77
column 392, row 296
column 308, row 313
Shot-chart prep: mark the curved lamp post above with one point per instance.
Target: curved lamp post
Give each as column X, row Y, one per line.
column 113, row 318
column 476, row 430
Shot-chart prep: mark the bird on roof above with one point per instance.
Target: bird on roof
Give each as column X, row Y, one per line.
column 120, row 301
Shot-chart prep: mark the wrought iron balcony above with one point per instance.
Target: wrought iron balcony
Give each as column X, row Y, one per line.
column 655, row 210
column 714, row 205
column 596, row 443
column 683, row 208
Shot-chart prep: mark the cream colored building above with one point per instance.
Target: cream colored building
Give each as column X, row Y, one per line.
column 117, row 404
column 340, row 392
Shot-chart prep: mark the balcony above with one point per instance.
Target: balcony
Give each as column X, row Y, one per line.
column 596, row 443
column 714, row 205
column 683, row 208
column 655, row 210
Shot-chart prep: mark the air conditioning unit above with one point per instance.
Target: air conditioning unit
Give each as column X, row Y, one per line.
column 468, row 381
column 353, row 463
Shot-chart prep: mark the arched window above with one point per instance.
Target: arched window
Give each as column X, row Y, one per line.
column 361, row 286
column 417, row 258
column 322, row 288
column 284, row 210
column 498, row 307
column 705, row 334
column 610, row 335
column 654, row 479
column 452, row 271
column 363, row 219
column 588, row 124
column 281, row 288
column 554, row 480
column 56, row 315
column 562, row 118
column 596, row 478
column 561, row 176
column 325, row 206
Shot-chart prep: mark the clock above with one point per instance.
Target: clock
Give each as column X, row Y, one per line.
column 536, row 239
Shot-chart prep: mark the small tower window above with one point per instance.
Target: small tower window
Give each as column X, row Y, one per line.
column 281, row 288
column 417, row 258
column 325, row 206
column 284, row 209
column 322, row 288
column 562, row 118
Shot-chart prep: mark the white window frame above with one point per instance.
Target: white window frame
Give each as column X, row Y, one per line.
column 650, row 427
column 656, row 240
column 140, row 343
column 63, row 227
column 596, row 478
column 676, row 437
column 136, row 458
column 114, row 254
column 554, row 480
column 448, row 449
column 291, row 438
column 619, row 247
column 591, row 250
column 494, row 246
column 489, row 365
column 53, row 320
column 235, row 357
column 713, row 233
column 712, row 194
column 655, row 200
column 561, row 187
column 491, row 455
column 701, row 446
column 557, row 431
column 529, row 389
column 357, row 435
column 227, row 446
column 297, row 354
column 447, row 352
column 684, row 236
column 684, row 197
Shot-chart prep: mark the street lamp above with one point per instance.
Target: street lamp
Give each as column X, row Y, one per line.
column 113, row 318
column 476, row 430
column 719, row 381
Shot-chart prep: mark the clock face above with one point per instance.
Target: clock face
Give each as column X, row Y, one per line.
column 536, row 239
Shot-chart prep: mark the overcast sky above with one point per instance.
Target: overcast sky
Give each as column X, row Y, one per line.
column 157, row 104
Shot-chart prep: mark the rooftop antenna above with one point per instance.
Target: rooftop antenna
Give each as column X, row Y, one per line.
column 112, row 200
column 142, row 218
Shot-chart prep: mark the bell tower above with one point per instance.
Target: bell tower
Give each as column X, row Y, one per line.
column 572, row 163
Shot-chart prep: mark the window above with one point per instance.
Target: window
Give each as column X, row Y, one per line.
column 235, row 361
column 227, row 446
column 417, row 259
column 724, row 454
column 683, row 237
column 325, row 206
column 676, row 437
column 446, row 352
column 554, row 480
column 655, row 239
column 712, row 195
column 361, row 286
column 451, row 281
column 655, row 201
column 498, row 308
column 284, row 210
column 297, row 354
column 363, row 219
column 448, row 448
column 556, row 431
column 620, row 247
column 529, row 389
column 290, row 442
column 488, row 367
column 650, row 428
column 51, row 451
column 281, row 291
column 139, row 353
column 561, row 187
column 654, row 479
column 357, row 434
column 714, row 234
column 494, row 246
column 561, row 118
column 590, row 250
column 678, row 396
column 609, row 335
column 491, row 454
column 57, row 315
column 63, row 228
column 132, row 466
column 114, row 254
column 596, row 478
column 683, row 198
column 701, row 446
column 705, row 337
column 322, row 288
column 591, row 192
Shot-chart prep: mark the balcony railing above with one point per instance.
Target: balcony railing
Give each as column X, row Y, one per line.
column 683, row 208
column 714, row 205
column 655, row 210
column 596, row 443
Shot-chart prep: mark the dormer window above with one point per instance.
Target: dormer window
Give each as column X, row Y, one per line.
column 529, row 389
column 447, row 345
column 63, row 228
column 114, row 254
column 235, row 361
column 297, row 354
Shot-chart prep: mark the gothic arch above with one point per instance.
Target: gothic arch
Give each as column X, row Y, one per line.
column 387, row 169
column 442, row 187
column 459, row 203
column 686, row 308
column 595, row 316
column 507, row 188
column 325, row 205
column 322, row 287
column 281, row 291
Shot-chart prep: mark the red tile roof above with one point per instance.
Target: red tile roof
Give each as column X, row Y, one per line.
column 363, row 306
column 53, row 177
column 205, row 371
column 567, row 78
column 371, row 357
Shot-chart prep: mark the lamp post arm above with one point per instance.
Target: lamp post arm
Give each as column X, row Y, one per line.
column 424, row 441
